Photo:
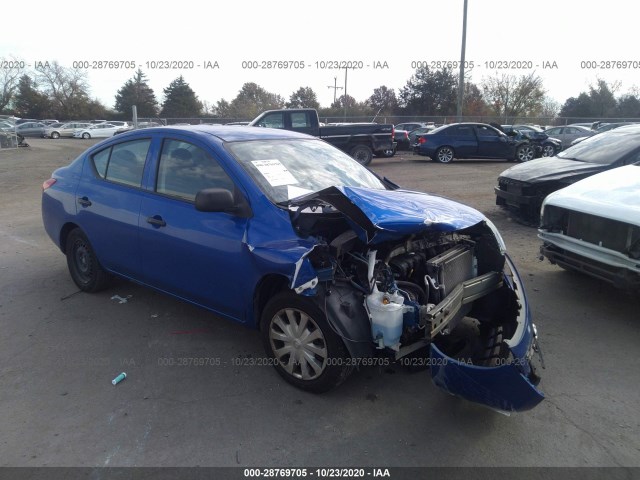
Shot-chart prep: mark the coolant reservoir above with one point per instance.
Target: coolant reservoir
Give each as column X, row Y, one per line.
column 385, row 312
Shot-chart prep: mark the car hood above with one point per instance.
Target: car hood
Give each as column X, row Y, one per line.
column 377, row 216
column 612, row 194
column 550, row 168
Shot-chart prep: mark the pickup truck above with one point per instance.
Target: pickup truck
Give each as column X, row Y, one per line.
column 360, row 140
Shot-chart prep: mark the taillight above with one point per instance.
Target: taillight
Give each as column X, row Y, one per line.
column 393, row 132
column 48, row 183
column 406, row 135
column 422, row 140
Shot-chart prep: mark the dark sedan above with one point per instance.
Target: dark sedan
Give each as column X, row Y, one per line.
column 472, row 140
column 522, row 188
column 546, row 146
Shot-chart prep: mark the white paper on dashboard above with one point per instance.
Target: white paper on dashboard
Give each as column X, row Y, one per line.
column 274, row 172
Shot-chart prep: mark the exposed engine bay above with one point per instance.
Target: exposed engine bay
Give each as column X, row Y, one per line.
column 445, row 288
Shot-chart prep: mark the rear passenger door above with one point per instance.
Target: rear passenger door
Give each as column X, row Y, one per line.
column 465, row 142
column 108, row 204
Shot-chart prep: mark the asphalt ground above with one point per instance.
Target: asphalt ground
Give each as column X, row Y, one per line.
column 195, row 393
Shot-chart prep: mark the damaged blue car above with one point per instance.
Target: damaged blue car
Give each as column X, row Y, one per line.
column 287, row 234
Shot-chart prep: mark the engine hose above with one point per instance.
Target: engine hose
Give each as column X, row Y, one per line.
column 415, row 289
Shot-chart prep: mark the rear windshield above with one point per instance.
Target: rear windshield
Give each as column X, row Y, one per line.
column 605, row 148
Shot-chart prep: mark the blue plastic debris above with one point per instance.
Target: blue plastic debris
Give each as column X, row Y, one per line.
column 119, row 378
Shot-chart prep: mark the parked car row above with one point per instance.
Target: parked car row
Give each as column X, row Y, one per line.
column 586, row 203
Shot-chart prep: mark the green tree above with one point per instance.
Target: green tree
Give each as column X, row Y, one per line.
column 578, row 107
column 430, row 92
column 136, row 91
column 180, row 100
column 28, row 102
column 603, row 102
column 251, row 100
column 383, row 100
column 628, row 106
column 304, row 97
column 510, row 96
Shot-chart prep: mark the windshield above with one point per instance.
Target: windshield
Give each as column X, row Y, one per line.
column 285, row 169
column 605, row 148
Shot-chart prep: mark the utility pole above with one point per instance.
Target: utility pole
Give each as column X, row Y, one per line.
column 461, row 79
column 345, row 91
column 335, row 88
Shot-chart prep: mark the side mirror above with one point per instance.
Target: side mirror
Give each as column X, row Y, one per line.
column 221, row 200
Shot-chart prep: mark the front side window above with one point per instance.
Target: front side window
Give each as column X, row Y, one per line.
column 185, row 169
column 272, row 120
column 486, row 131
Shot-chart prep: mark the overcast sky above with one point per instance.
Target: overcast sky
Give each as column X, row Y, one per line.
column 566, row 32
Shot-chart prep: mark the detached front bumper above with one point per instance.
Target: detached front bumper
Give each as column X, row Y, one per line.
column 510, row 385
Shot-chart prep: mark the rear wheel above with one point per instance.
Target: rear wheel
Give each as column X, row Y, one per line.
column 362, row 154
column 55, row 135
column 444, row 155
column 84, row 267
column 305, row 350
column 388, row 153
column 548, row 151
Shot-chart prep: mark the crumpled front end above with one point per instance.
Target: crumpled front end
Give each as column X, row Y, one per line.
column 500, row 373
column 425, row 281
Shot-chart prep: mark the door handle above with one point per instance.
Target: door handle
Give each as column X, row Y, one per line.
column 156, row 221
column 84, row 201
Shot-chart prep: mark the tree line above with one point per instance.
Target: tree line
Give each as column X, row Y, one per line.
column 54, row 91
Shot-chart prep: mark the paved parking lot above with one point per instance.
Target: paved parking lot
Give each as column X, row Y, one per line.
column 194, row 396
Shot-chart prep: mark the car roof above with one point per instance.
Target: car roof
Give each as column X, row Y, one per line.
column 226, row 133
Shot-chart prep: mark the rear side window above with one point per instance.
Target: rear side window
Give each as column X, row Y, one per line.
column 123, row 163
column 185, row 169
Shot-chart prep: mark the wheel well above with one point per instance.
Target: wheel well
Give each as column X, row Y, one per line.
column 267, row 288
column 64, row 233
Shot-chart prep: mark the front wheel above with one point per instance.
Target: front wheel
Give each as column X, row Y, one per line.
column 86, row 136
column 524, row 153
column 362, row 154
column 305, row 350
column 84, row 267
column 444, row 155
column 55, row 135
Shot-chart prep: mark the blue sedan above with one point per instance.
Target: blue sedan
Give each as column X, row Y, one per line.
column 288, row 235
column 472, row 140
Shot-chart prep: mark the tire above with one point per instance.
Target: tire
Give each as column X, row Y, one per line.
column 84, row 267
column 86, row 135
column 524, row 153
column 548, row 151
column 306, row 351
column 55, row 135
column 362, row 154
column 444, row 155
column 388, row 153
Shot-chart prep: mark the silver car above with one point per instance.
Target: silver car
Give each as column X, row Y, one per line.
column 568, row 134
column 58, row 130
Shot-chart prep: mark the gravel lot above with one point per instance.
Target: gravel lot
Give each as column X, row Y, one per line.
column 59, row 350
